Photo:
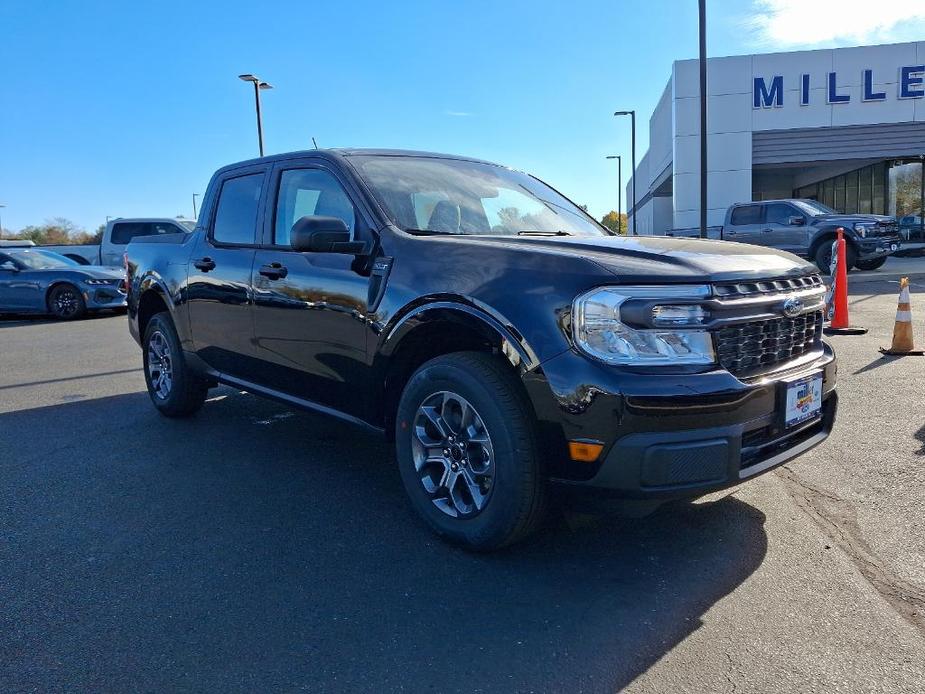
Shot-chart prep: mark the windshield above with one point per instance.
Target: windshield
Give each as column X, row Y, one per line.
column 40, row 260
column 452, row 196
column 811, row 207
column 191, row 225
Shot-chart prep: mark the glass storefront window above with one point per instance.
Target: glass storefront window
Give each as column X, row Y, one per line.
column 905, row 189
column 828, row 193
column 879, row 174
column 839, row 194
column 851, row 192
column 865, row 190
column 882, row 188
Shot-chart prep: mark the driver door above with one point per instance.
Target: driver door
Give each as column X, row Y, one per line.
column 310, row 308
column 19, row 288
column 779, row 232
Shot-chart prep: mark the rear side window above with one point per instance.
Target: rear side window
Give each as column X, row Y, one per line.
column 747, row 214
column 236, row 213
column 123, row 232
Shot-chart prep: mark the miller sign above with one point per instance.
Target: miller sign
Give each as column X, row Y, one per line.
column 911, row 86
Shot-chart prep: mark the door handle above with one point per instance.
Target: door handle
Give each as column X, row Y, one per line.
column 274, row 271
column 765, row 231
column 204, row 264
column 731, row 232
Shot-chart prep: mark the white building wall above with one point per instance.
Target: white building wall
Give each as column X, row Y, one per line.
column 732, row 118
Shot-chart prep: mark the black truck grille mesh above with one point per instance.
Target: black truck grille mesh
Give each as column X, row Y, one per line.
column 760, row 345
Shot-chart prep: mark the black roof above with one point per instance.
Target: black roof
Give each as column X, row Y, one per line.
column 345, row 152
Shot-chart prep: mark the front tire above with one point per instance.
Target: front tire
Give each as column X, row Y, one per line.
column 66, row 303
column 174, row 388
column 868, row 265
column 466, row 442
column 823, row 256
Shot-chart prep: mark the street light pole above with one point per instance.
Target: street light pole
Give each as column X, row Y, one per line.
column 258, row 85
column 703, row 119
column 632, row 115
column 195, row 215
column 619, row 192
column 1, row 221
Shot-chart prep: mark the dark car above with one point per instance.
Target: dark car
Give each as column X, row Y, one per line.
column 807, row 228
column 512, row 348
column 33, row 280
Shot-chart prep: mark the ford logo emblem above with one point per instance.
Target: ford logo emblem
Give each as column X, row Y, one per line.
column 792, row 307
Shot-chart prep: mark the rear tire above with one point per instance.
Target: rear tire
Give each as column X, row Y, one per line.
column 874, row 264
column 174, row 388
column 465, row 437
column 66, row 303
column 823, row 256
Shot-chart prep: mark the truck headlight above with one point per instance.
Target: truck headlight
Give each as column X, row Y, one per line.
column 600, row 331
column 861, row 230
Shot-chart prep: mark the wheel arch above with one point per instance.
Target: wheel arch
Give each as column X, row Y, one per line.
column 152, row 299
column 434, row 329
column 828, row 235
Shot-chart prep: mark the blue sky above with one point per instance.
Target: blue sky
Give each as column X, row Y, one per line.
column 125, row 109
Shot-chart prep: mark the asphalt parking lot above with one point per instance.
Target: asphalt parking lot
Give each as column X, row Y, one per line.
column 255, row 548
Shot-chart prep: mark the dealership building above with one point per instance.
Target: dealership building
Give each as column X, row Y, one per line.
column 844, row 126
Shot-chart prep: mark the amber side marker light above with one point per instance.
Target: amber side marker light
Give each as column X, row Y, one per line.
column 584, row 452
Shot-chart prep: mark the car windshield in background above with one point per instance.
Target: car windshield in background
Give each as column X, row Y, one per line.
column 453, row 196
column 813, row 208
column 188, row 224
column 41, row 260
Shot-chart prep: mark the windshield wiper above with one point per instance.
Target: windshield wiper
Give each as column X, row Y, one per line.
column 537, row 232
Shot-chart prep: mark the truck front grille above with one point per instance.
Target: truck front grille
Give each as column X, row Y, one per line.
column 749, row 348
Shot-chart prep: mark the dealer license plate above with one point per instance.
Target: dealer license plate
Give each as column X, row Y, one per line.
column 803, row 401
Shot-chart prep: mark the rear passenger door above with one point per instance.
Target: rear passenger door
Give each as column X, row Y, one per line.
column 745, row 224
column 219, row 295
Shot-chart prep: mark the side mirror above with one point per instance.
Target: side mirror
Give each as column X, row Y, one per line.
column 314, row 234
column 796, row 221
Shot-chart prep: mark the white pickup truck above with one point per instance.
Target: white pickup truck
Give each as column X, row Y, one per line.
column 116, row 236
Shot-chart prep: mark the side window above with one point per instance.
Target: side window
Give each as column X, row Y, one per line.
column 158, row 228
column 780, row 213
column 236, row 213
column 309, row 192
column 6, row 263
column 746, row 214
column 123, row 232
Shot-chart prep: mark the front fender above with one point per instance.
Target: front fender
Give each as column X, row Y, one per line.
column 467, row 312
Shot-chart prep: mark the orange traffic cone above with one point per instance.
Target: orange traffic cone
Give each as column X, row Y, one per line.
column 902, row 331
column 840, row 324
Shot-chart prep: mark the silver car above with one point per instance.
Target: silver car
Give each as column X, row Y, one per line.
column 33, row 280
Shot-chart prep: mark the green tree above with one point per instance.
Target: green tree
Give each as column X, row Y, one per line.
column 55, row 232
column 609, row 220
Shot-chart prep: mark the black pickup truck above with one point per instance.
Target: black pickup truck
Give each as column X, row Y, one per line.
column 512, row 348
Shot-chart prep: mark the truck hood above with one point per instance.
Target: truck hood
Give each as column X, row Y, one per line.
column 651, row 259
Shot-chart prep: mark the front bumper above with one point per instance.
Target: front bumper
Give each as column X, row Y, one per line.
column 878, row 246
column 670, row 436
column 104, row 297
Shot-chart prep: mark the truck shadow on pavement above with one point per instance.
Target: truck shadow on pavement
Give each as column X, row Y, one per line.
column 250, row 547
